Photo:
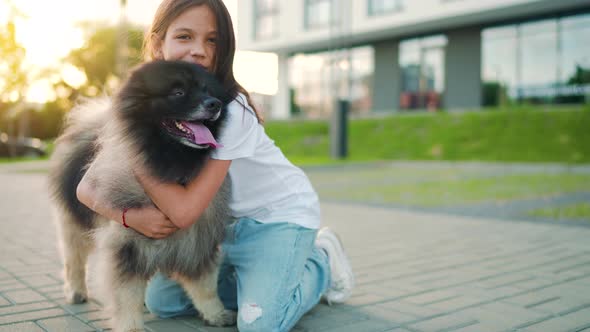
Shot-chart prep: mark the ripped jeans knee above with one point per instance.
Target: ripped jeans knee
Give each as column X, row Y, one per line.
column 253, row 317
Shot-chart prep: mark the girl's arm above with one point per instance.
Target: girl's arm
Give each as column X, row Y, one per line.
column 184, row 204
column 148, row 221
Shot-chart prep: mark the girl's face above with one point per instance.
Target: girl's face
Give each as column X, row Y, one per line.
column 191, row 37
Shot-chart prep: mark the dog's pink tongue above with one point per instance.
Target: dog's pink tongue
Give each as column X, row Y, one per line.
column 202, row 134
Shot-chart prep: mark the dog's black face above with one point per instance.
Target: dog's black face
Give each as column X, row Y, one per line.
column 175, row 98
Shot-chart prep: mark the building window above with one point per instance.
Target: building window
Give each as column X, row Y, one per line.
column 513, row 55
column 266, row 13
column 422, row 63
column 499, row 63
column 379, row 7
column 320, row 13
column 316, row 80
column 574, row 56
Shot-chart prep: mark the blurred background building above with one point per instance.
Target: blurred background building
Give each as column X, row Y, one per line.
column 390, row 55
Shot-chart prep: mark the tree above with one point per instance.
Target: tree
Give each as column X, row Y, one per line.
column 13, row 78
column 98, row 57
column 581, row 76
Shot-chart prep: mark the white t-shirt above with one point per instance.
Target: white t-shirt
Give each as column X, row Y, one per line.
column 265, row 185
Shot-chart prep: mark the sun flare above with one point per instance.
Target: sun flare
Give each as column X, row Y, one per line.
column 49, row 30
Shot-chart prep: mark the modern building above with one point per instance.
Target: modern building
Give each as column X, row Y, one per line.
column 387, row 55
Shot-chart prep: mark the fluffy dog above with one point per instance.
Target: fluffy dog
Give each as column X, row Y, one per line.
column 164, row 118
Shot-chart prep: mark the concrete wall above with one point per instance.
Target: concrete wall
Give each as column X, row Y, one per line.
column 387, row 76
column 281, row 103
column 463, row 69
column 417, row 18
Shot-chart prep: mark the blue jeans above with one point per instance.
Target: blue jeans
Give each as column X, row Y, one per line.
column 271, row 274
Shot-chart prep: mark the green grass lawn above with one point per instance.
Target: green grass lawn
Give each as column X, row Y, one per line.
column 573, row 211
column 518, row 134
column 445, row 187
column 525, row 134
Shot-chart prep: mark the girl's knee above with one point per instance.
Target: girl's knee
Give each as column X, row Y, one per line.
column 155, row 302
column 252, row 317
column 263, row 324
column 155, row 306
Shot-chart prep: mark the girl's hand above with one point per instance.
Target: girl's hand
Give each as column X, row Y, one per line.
column 150, row 222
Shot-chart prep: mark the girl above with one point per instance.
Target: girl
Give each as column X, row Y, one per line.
column 275, row 267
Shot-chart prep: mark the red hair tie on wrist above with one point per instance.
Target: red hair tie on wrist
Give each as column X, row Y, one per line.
column 124, row 223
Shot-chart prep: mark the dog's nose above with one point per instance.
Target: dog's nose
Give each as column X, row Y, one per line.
column 212, row 105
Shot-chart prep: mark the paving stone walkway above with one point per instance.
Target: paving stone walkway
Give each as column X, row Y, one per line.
column 416, row 271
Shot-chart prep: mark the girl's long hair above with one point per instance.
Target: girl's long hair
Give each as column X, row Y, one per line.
column 225, row 48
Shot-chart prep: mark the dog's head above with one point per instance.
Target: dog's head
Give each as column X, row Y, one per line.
column 175, row 99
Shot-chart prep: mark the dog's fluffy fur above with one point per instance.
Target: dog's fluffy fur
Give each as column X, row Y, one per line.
column 141, row 126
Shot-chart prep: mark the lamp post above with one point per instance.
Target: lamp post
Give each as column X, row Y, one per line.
column 341, row 100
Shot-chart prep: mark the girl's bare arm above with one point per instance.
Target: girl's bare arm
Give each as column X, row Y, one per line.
column 184, row 204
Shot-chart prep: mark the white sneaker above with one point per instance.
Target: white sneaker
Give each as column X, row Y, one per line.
column 342, row 278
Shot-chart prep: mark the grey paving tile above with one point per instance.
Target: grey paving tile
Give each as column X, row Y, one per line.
column 432, row 297
column 483, row 327
column 211, row 329
column 93, row 315
column 500, row 315
column 65, row 324
column 31, row 316
column 419, row 311
column 101, row 325
column 571, row 322
column 385, row 313
column 364, row 298
column 168, row 325
column 415, row 272
column 24, row 296
column 370, row 325
column 444, row 323
column 39, row 281
column 333, row 319
column 21, row 327
column 11, row 285
column 460, row 302
column 55, row 295
column 79, row 308
column 4, row 301
column 4, row 276
column 13, row 309
column 191, row 321
column 556, row 304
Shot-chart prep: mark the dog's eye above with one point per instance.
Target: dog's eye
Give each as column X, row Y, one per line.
column 177, row 93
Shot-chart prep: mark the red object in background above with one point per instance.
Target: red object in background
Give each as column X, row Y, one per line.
column 429, row 100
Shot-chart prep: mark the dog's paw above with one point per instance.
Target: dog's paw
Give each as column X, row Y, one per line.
column 76, row 298
column 222, row 318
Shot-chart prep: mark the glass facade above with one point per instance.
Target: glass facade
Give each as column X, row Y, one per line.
column 546, row 61
column 422, row 66
column 315, row 81
column 378, row 7
column 320, row 13
column 266, row 20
